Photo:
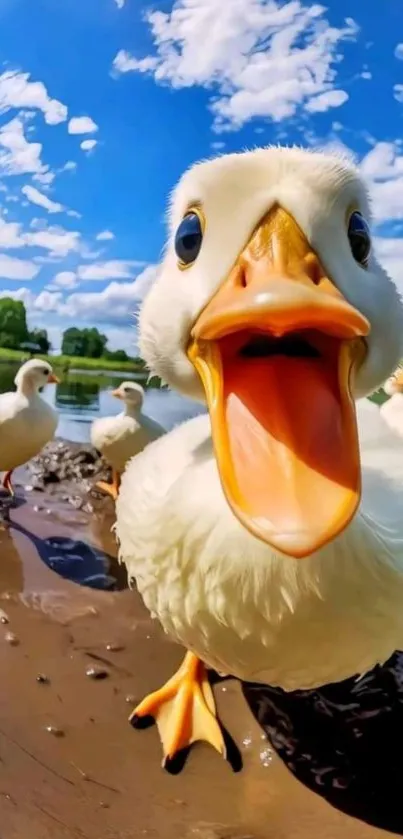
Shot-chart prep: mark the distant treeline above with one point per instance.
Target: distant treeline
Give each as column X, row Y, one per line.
column 78, row 343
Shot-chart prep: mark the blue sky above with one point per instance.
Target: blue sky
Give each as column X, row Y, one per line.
column 104, row 103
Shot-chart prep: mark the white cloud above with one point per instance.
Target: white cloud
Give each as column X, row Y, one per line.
column 398, row 92
column 113, row 269
column 105, row 236
column 69, row 166
column 126, row 63
column 88, row 145
column 383, row 169
column 120, row 3
column 399, row 52
column 35, row 197
column 19, row 156
column 10, row 235
column 115, row 304
column 24, row 294
column 48, row 301
column 12, row 268
column 82, row 125
column 58, row 241
column 259, row 59
column 65, row 279
column 17, row 91
column 326, row 100
column 390, row 254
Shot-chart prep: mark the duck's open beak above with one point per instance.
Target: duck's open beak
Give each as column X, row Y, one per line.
column 53, row 380
column 276, row 349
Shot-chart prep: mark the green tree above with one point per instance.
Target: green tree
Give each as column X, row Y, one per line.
column 95, row 342
column 40, row 337
column 13, row 323
column 84, row 342
column 73, row 342
column 116, row 355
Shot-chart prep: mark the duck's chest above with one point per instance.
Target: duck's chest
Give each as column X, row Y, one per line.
column 260, row 616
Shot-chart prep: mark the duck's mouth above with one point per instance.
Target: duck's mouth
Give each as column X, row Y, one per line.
column 276, row 349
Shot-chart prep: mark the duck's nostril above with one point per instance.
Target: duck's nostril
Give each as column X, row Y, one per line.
column 313, row 268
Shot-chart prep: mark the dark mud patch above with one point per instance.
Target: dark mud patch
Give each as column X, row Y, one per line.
column 344, row 741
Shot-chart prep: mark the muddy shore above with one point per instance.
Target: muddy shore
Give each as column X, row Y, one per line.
column 70, row 764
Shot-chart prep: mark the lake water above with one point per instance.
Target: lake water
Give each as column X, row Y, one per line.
column 81, row 397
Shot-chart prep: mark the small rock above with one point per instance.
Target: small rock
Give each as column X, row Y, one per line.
column 104, row 805
column 12, row 639
column 114, row 648
column 42, row 679
column 4, row 619
column 98, row 673
column 53, row 729
column 130, row 699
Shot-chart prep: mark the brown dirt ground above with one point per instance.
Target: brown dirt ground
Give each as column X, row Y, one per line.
column 103, row 780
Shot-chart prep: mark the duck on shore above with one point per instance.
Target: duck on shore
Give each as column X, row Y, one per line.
column 27, row 422
column 121, row 437
column 267, row 536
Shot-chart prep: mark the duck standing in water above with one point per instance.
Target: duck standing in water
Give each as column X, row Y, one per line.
column 392, row 409
column 255, row 534
column 27, row 422
column 121, row 437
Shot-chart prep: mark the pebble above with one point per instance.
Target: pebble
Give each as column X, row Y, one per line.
column 94, row 672
column 130, row 699
column 12, row 639
column 114, row 648
column 53, row 729
column 42, row 679
column 104, row 805
column 266, row 757
column 4, row 619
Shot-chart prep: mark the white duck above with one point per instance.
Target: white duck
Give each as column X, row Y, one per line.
column 27, row 422
column 246, row 531
column 121, row 437
column 392, row 410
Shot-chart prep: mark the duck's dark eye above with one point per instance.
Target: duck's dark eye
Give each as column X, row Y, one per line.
column 188, row 238
column 46, row 372
column 359, row 238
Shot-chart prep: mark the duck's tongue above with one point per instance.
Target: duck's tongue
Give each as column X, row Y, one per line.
column 285, row 439
column 276, row 359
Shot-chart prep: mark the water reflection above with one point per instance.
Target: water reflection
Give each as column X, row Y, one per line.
column 81, row 397
column 77, row 395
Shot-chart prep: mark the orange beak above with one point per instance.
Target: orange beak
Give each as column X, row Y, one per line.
column 53, row 380
column 276, row 350
column 117, row 394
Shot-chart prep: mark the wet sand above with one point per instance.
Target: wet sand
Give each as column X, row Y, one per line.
column 102, row 779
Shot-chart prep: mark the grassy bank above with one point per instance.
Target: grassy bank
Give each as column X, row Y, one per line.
column 66, row 361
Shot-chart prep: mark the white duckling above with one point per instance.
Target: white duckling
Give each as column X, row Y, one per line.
column 121, row 437
column 27, row 422
column 392, row 409
column 247, row 531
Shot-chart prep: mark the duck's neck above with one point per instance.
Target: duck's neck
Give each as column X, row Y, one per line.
column 29, row 390
column 133, row 411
